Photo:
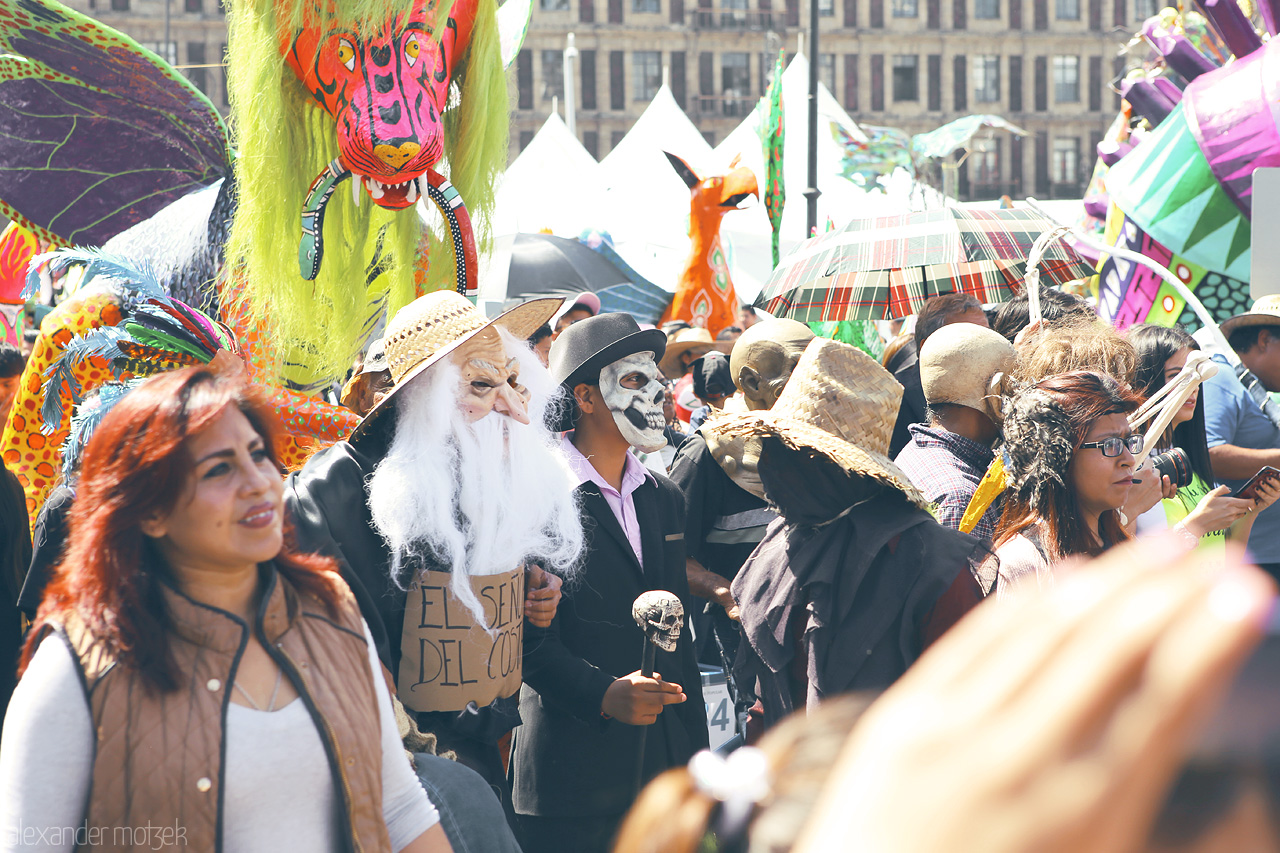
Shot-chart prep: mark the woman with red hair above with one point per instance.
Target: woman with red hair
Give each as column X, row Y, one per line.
column 189, row 679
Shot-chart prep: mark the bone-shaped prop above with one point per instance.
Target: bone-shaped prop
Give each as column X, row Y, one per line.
column 1165, row 403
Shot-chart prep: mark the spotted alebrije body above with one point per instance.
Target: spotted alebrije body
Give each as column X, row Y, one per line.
column 36, row 458
column 33, row 457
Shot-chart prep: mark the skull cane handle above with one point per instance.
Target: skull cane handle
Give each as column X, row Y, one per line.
column 661, row 616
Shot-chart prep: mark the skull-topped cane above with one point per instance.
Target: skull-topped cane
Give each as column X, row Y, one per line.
column 661, row 615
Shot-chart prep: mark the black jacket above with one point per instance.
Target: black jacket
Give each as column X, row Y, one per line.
column 568, row 760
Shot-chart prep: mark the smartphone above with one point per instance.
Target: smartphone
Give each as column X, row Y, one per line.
column 1250, row 489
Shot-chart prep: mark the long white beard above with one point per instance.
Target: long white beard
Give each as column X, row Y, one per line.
column 482, row 498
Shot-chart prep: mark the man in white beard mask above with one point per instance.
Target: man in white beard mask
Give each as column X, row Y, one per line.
column 585, row 703
column 448, row 510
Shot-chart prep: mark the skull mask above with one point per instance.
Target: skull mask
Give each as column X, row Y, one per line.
column 633, row 391
column 661, row 615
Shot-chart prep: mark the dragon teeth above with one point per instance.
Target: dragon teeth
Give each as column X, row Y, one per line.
column 412, row 193
column 356, row 186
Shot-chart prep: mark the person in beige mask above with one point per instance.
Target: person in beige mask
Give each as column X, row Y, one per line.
column 443, row 510
column 725, row 511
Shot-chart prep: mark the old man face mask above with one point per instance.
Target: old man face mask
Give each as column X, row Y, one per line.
column 632, row 389
column 490, row 379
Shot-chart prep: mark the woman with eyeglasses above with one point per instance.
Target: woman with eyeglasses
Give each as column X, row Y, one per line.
column 1069, row 456
column 1199, row 511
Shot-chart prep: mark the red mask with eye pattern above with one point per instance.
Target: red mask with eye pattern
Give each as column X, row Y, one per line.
column 385, row 89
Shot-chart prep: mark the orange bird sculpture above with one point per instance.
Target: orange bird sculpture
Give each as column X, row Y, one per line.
column 704, row 296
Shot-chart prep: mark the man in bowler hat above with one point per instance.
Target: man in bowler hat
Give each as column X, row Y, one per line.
column 584, row 703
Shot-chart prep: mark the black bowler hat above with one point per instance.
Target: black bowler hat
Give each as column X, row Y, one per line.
column 588, row 345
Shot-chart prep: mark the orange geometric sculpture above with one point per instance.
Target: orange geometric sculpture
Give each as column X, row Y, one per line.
column 704, row 296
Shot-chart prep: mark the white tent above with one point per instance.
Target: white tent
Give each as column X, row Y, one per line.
column 640, row 200
column 746, row 234
column 549, row 186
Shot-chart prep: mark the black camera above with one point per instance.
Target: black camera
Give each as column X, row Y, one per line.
column 1174, row 464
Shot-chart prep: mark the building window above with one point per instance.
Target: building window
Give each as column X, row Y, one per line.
column 1067, row 10
column 984, row 167
column 553, row 5
column 986, row 79
column 646, row 74
column 827, row 70
column 197, row 73
column 1064, row 165
column 987, row 10
column 906, row 78
column 552, row 74
column 1066, row 79
column 653, row 7
column 168, row 53
column 119, row 5
column 1143, row 9
column 192, row 6
column 226, row 93
column 735, row 78
column 906, row 8
column 826, row 8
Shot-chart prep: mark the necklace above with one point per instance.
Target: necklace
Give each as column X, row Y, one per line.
column 271, row 706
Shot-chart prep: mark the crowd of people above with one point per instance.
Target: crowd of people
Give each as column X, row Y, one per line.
column 483, row 621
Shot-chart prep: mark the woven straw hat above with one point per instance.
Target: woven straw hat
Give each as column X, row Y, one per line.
column 685, row 340
column 1265, row 312
column 839, row 402
column 434, row 325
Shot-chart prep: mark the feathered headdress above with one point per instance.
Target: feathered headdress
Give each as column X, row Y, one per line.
column 84, row 423
column 156, row 332
column 1038, row 444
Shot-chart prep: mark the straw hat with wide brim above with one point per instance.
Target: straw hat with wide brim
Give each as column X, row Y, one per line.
column 1265, row 312
column 685, row 340
column 432, row 326
column 839, row 402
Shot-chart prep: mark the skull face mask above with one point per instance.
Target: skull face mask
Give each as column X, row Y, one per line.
column 661, row 615
column 633, row 391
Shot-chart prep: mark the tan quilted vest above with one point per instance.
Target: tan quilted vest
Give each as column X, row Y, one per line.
column 157, row 771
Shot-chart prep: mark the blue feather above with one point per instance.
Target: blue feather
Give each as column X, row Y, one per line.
column 85, row 421
column 137, row 275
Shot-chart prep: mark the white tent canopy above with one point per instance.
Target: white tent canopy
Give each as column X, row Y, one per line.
column 640, row 200
column 549, row 186
column 746, row 234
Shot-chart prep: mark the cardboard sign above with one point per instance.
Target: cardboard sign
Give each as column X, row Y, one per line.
column 447, row 659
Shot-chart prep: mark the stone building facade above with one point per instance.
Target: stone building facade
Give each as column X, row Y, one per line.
column 1045, row 65
column 197, row 35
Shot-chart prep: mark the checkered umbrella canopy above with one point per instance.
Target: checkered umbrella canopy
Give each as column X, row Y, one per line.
column 887, row 266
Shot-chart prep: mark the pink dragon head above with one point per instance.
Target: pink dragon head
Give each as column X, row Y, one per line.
column 385, row 89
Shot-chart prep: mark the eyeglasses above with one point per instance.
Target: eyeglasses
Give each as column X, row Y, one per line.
column 1114, row 446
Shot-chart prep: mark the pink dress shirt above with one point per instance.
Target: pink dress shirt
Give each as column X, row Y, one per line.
column 622, row 503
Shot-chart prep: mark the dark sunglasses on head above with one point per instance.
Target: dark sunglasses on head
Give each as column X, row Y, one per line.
column 1114, row 446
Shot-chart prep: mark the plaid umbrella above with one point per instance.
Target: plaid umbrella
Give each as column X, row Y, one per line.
column 888, row 266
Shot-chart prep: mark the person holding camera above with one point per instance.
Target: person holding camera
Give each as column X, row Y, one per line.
column 1069, row 457
column 1210, row 515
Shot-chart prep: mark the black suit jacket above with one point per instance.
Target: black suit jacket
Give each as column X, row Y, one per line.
column 567, row 760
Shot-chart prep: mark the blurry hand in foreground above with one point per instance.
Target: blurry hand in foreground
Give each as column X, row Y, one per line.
column 1051, row 721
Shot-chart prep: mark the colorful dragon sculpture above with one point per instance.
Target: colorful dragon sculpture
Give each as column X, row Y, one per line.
column 1174, row 179
column 107, row 145
column 704, row 295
